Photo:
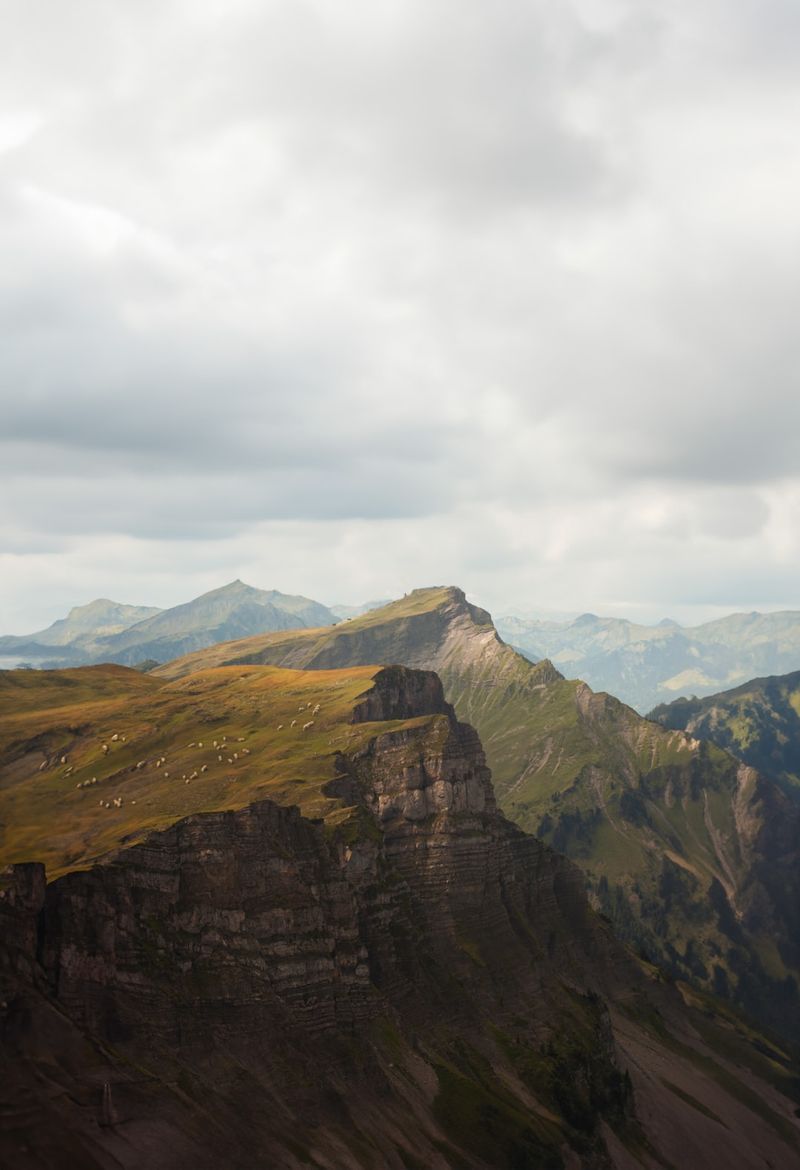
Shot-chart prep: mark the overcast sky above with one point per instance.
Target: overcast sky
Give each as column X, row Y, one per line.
column 342, row 299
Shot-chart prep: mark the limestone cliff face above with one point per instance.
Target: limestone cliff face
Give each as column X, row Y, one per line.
column 415, row 983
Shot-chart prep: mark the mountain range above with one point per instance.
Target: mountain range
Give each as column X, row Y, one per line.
column 283, row 923
column 694, row 856
column 105, row 631
column 647, row 665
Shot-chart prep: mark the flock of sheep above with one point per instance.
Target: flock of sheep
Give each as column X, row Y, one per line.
column 220, row 746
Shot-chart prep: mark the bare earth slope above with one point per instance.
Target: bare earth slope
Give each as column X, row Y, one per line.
column 694, row 856
column 395, row 976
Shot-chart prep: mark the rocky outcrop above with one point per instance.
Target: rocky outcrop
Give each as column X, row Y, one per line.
column 415, row 982
column 696, row 867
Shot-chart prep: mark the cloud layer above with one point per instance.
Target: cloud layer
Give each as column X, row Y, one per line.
column 344, row 301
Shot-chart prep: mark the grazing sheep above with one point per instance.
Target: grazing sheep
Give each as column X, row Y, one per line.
column 219, row 758
column 141, row 764
column 114, row 737
column 122, row 737
column 94, row 780
column 42, row 766
column 245, row 751
column 105, row 749
column 191, row 745
column 240, row 739
column 204, row 768
column 187, row 781
column 63, row 759
column 200, row 744
column 316, row 710
column 307, row 725
column 292, row 724
column 236, row 755
column 280, row 727
column 166, row 775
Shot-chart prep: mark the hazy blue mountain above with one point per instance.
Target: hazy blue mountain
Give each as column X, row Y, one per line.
column 72, row 638
column 647, row 665
column 105, row 631
column 233, row 611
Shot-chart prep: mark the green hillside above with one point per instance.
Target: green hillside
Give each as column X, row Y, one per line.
column 759, row 722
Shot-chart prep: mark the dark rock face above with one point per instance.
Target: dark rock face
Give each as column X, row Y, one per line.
column 423, row 985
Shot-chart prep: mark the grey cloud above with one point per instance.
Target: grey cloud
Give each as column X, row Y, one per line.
column 493, row 277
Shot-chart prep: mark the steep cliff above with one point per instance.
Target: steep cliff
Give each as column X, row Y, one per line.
column 695, row 858
column 411, row 981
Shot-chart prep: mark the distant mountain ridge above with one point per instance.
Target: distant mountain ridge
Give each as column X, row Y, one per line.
column 647, row 665
column 104, row 631
column 78, row 631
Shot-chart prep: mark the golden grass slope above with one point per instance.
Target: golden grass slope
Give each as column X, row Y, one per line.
column 94, row 758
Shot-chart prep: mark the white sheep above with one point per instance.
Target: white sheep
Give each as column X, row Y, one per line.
column 114, row 737
column 307, row 725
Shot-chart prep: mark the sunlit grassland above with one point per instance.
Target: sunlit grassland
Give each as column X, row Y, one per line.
column 207, row 742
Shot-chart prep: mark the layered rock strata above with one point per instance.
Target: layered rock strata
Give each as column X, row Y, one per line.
column 414, row 983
